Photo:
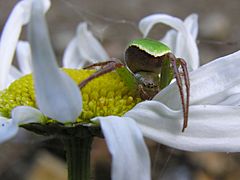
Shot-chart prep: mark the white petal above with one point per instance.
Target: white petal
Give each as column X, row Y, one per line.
column 170, row 39
column 210, row 84
column 20, row 115
column 232, row 100
column 210, row 128
column 24, row 57
column 14, row 74
column 89, row 46
column 84, row 49
column 191, row 23
column 10, row 34
column 57, row 95
column 8, row 129
column 9, row 38
column 130, row 157
column 71, row 57
column 186, row 47
column 26, row 114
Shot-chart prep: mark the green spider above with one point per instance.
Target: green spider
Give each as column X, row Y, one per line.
column 150, row 66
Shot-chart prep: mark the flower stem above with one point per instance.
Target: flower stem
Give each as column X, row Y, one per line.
column 78, row 157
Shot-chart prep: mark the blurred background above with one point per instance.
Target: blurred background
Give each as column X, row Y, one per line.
column 34, row 157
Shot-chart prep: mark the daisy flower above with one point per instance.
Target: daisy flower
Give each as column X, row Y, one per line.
column 56, row 99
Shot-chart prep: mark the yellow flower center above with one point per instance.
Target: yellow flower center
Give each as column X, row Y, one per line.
column 103, row 96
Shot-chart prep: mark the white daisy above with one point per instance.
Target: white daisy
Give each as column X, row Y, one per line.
column 214, row 113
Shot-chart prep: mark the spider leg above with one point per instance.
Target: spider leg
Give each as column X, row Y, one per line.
column 183, row 65
column 102, row 64
column 179, row 80
column 107, row 67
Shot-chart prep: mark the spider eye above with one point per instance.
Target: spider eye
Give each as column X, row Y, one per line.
column 150, row 85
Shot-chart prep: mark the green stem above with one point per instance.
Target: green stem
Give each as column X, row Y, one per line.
column 78, row 157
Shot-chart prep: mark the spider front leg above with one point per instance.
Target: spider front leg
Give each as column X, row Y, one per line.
column 183, row 65
column 102, row 64
column 106, row 67
column 185, row 101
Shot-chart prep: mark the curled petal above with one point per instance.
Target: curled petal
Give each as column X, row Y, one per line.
column 10, row 34
column 58, row 97
column 20, row 115
column 84, row 49
column 130, row 157
column 186, row 47
column 8, row 129
column 210, row 84
column 170, row 39
column 26, row 114
column 24, row 57
column 210, row 127
column 191, row 23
